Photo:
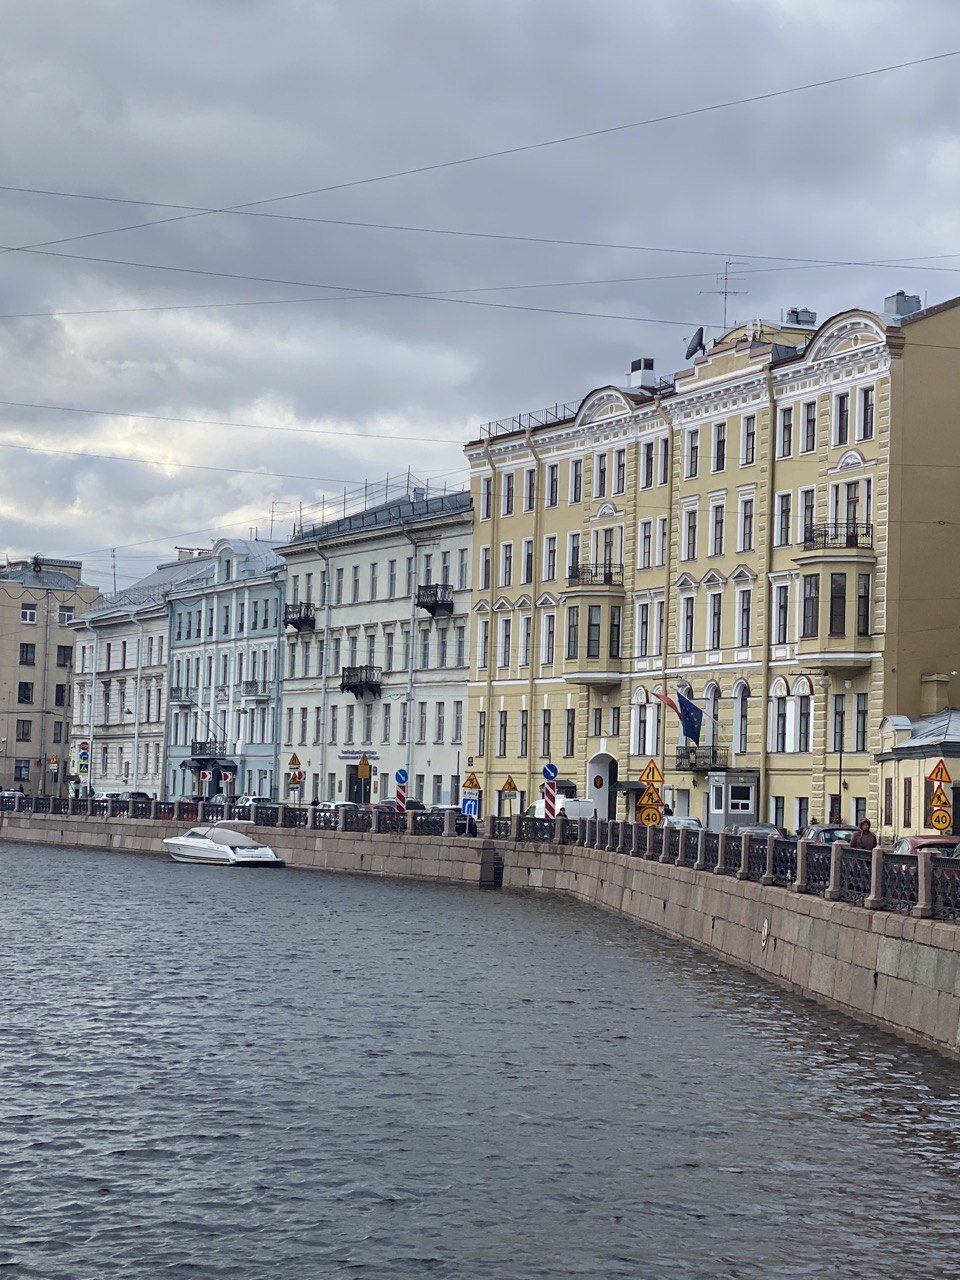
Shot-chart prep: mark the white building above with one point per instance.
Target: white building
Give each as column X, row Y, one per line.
column 120, row 681
column 376, row 655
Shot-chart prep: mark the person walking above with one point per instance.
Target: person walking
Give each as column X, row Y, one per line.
column 863, row 837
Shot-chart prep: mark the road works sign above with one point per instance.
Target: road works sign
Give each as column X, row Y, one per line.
column 472, row 783
column 939, row 773
column 652, row 773
column 651, row 798
column 294, row 762
column 509, row 785
column 940, row 799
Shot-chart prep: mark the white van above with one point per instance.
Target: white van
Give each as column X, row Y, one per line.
column 570, row 807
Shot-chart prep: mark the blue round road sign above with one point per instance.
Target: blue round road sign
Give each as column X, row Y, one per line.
column 550, row 772
column 401, row 776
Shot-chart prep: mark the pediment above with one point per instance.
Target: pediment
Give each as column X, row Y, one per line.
column 712, row 579
column 686, row 582
column 547, row 601
column 853, row 331
column 743, row 575
column 481, row 607
column 502, row 605
column 599, row 406
column 607, row 511
column 523, row 602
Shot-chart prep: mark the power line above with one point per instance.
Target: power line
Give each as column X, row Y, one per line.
column 500, row 153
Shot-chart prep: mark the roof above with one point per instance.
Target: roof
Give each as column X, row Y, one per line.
column 152, row 590
column 49, row 579
column 396, row 513
column 257, row 556
column 935, row 734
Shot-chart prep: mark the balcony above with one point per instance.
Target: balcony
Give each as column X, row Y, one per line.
column 302, row 616
column 436, row 598
column 254, row 689
column 208, row 747
column 595, row 575
column 360, row 681
column 838, row 537
column 702, row 759
column 182, row 693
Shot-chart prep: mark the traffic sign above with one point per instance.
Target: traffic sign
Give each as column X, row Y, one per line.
column 509, row 785
column 651, row 797
column 472, row 783
column 550, row 772
column 939, row 773
column 363, row 766
column 205, row 775
column 470, row 805
column 940, row 819
column 651, row 772
column 940, row 799
column 296, row 777
column 650, row 817
column 293, row 762
column 401, row 776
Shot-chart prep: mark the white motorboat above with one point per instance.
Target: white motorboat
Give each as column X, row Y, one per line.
column 221, row 844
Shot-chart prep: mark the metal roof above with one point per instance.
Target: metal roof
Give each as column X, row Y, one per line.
column 151, row 590
column 396, row 513
column 935, row 734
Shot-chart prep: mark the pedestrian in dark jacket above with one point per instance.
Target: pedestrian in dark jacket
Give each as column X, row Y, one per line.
column 863, row 837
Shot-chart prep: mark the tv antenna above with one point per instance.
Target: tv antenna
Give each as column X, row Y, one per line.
column 724, row 280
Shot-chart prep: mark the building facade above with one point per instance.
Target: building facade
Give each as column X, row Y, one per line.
column 224, row 674
column 120, row 682
column 766, row 532
column 38, row 600
column 376, row 650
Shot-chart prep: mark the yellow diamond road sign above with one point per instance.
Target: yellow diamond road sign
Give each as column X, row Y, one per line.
column 509, row 785
column 651, row 773
column 294, row 762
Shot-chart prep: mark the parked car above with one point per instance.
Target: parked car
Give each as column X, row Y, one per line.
column 752, row 829
column 829, row 832
column 248, row 802
column 134, row 795
column 676, row 820
column 106, row 795
column 333, row 805
column 570, row 806
column 938, row 846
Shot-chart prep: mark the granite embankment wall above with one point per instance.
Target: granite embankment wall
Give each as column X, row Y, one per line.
column 892, row 970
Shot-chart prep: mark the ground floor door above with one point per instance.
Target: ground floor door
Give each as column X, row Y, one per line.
column 358, row 789
column 602, row 774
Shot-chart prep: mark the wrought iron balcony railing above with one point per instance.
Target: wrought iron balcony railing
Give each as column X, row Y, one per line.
column 827, row 537
column 182, row 693
column 302, row 616
column 595, row 575
column 435, row 597
column 360, row 681
column 208, row 747
column 254, row 689
column 702, row 759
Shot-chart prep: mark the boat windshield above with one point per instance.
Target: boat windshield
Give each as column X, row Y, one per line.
column 235, row 839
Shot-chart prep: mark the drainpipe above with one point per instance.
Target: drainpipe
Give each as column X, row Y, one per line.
column 535, row 585
column 411, row 648
column 49, row 599
column 93, row 700
column 327, row 592
column 136, row 715
column 491, row 629
column 673, row 455
column 762, row 797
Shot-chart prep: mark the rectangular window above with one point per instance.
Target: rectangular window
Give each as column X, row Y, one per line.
column 457, row 722
column 780, row 724
column 529, row 488
column 614, row 722
column 549, row 638
column 508, row 488
column 553, row 484
column 425, row 650
column 573, row 631
column 646, row 467
column 785, row 443
column 526, row 626
column 550, row 558
column 24, row 730
column 25, row 691
column 462, row 569
column 743, row 620
column 838, row 604
column 809, row 441
column 661, row 541
column 781, row 614
column 620, row 471
column 481, row 732
column 866, row 413
column 486, row 497
column 593, row 631
column 596, row 722
column 716, row 620
column 784, row 518
column 658, row 629
column 28, row 655
column 522, row 744
column 573, row 554
column 907, row 803
column 21, row 771
column 808, row 498
column 748, row 441
column 461, row 646
column 28, row 613
column 600, row 475
column 720, row 446
column 841, row 426
column 643, row 630
column 483, row 644
column 863, row 604
column 570, row 732
column 860, row 728
column 746, row 524
column 839, row 715
column 421, row 721
column 716, row 529
column 686, row 638
column 65, row 655
column 545, row 733
column 484, row 568
column 503, row 658
column 693, row 453
column 888, row 802
column 646, row 543
column 803, row 722
column 60, row 695
column 810, row 622
column 501, row 733
column 526, row 560
column 576, row 480
column 506, row 564
column 690, row 534
column 664, row 470
column 615, row 630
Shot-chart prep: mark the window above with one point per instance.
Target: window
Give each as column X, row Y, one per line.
column 545, row 733
column 646, row 466
column 526, row 626
column 373, row 581
column 526, row 560
column 746, row 525
column 779, row 724
column 888, row 802
column 838, row 604
column 24, row 730
column 643, row 630
column 743, row 618
column 441, row 648
column 25, row 691
column 593, row 631
column 550, row 558
column 421, row 721
column 690, row 534
column 506, row 564
column 808, row 498
column 28, row 613
column 664, row 472
column 784, row 517
column 64, row 655
column 809, row 440
column 461, row 646
column 686, row 636
column 841, row 422
column 576, row 480
column 484, row 643
column 863, row 604
column 716, row 529
column 484, row 568
column 529, row 488
column 785, row 442
column 620, row 471
column 615, row 630
column 388, row 642
column 457, row 722
column 486, row 497
column 553, row 484
column 440, row 713
column 659, row 627
column 860, row 727
column 549, row 638
column 573, row 631
column 781, row 614
column 508, row 487
column 573, row 554
column 501, row 733
column 907, row 803
column 778, row 811
column 715, row 624
column 570, row 732
column 355, row 584
column 522, row 745
column 60, row 695
column 803, row 722
column 743, row 722
column 614, row 722
column 661, row 541
column 21, row 771
column 693, row 453
column 462, row 569
column 839, row 705
column 600, row 475
column 748, row 441
column 646, row 543
column 596, row 722
column 367, row 723
column 866, row 413
column 65, row 615
column 28, row 655
column 503, row 648
column 404, row 722
column 720, row 446
column 810, row 622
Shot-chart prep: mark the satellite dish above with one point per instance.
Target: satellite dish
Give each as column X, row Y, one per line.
column 695, row 344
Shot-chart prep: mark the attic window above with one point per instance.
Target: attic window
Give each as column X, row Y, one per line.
column 227, row 566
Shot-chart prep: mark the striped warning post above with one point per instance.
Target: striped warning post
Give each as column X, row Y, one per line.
column 550, row 799
column 401, row 797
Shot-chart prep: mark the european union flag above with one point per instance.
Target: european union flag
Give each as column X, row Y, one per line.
column 691, row 718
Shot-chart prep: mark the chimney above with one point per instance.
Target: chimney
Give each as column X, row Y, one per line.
column 419, row 495
column 641, row 373
column 934, row 693
column 902, row 304
column 803, row 317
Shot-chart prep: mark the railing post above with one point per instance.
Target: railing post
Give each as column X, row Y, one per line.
column 625, row 829
column 721, row 852
column 744, row 872
column 582, row 832
column 683, row 846
column 374, row 821
column 800, row 884
column 153, row 809
column 701, row 850
column 558, row 822
column 832, row 891
column 515, row 819
column 924, row 907
column 89, row 810
column 341, row 818
column 767, row 877
column 449, row 822
column 613, row 837
column 282, row 814
column 177, row 810
column 874, row 902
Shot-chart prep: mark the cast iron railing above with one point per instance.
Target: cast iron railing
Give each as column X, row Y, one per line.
column 595, row 575
column 571, row 831
column 898, row 891
column 265, row 815
column 425, row 823
column 539, row 830
column 325, row 819
column 702, row 759
column 655, row 847
column 208, row 747
column 672, row 851
column 826, row 537
column 357, row 819
column 294, row 816
column 818, row 869
column 945, row 888
column 756, row 857
column 732, row 855
column 784, row 863
column 711, row 849
column 855, row 875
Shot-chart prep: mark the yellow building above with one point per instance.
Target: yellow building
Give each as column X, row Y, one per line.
column 770, row 532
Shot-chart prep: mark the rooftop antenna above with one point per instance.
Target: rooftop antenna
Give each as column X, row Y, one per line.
column 723, row 280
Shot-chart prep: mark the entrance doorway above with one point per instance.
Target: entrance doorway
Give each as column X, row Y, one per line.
column 358, row 789
column 602, row 774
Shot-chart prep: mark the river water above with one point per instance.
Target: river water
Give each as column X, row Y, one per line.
column 226, row 1073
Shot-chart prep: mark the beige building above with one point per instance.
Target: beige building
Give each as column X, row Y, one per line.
column 38, row 600
column 770, row 532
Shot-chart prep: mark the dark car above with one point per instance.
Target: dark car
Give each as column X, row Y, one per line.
column 134, row 795
column 752, row 829
column 466, row 824
column 829, row 833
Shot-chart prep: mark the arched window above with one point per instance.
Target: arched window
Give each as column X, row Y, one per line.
column 741, row 716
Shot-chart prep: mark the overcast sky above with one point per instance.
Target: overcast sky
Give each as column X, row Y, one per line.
column 214, row 103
